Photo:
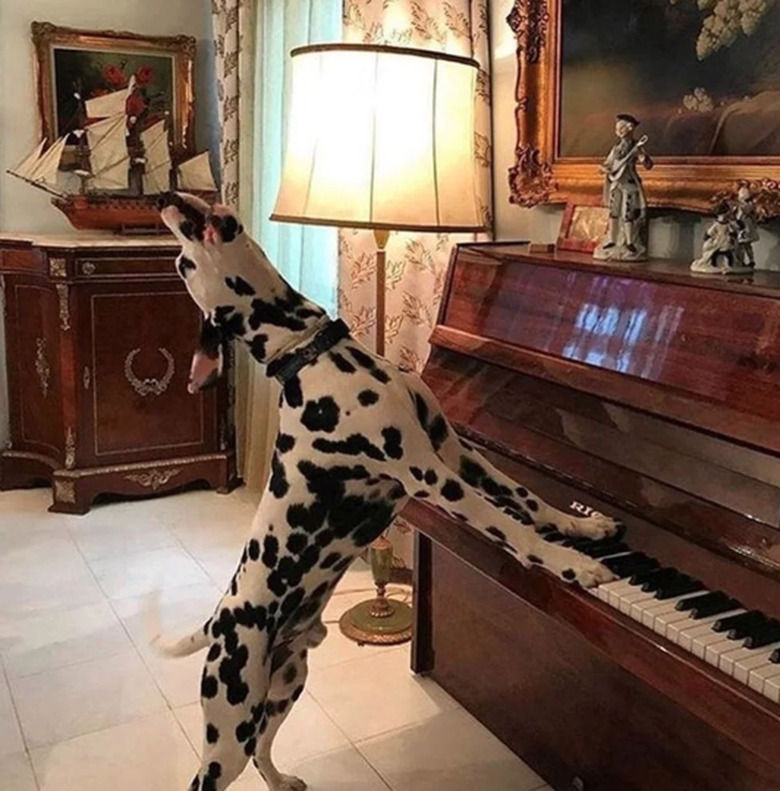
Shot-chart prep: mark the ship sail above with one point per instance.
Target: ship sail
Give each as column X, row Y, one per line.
column 111, row 104
column 157, row 173
column 195, row 174
column 26, row 167
column 45, row 169
column 108, row 153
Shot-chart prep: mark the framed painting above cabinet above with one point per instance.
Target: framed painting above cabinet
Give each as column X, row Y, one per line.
column 707, row 96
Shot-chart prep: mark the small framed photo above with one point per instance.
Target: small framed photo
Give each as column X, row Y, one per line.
column 75, row 65
column 583, row 227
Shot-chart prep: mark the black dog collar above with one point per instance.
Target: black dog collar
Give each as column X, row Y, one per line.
column 289, row 364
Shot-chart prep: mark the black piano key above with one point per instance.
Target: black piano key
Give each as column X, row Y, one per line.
column 645, row 576
column 737, row 621
column 764, row 635
column 747, row 629
column 678, row 587
column 715, row 608
column 606, row 550
column 554, row 537
column 626, row 565
column 654, row 581
column 692, row 602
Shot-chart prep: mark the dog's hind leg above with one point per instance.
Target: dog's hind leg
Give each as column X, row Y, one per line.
column 288, row 677
column 488, row 480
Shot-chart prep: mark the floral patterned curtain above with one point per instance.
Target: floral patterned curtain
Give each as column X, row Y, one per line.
column 416, row 263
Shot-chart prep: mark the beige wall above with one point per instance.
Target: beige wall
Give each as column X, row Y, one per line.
column 676, row 235
column 21, row 207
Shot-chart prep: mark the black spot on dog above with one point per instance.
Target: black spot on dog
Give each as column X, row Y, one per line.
column 532, row 505
column 254, row 549
column 431, row 477
column 270, row 551
column 230, row 675
column 290, row 674
column 212, row 734
column 214, row 652
column 298, row 692
column 354, row 445
column 297, row 542
column 332, row 558
column 522, row 491
column 250, row 747
column 422, row 494
column 417, row 473
column 343, row 564
column 257, row 347
column 471, row 472
column 422, row 410
column 278, row 484
column 229, row 320
column 293, row 394
column 499, row 534
column 392, row 446
column 342, row 363
column 240, row 286
column 208, row 687
column 452, row 491
column 285, row 443
column 244, row 731
column 321, row 415
column 277, row 313
column 184, row 266
column 535, row 559
column 569, row 574
column 367, row 397
column 438, row 432
column 367, row 361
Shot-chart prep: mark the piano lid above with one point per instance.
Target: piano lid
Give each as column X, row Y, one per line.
column 654, row 387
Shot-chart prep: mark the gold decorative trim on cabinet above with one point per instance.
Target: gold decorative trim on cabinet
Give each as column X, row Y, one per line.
column 88, row 268
column 58, row 267
column 153, row 479
column 62, row 293
column 70, row 449
column 149, row 386
column 64, row 491
column 42, row 368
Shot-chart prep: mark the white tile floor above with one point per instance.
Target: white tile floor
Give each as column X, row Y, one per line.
column 85, row 706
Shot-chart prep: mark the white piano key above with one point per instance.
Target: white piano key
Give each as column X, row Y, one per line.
column 622, row 601
column 713, row 651
column 772, row 688
column 688, row 635
column 758, row 677
column 604, row 591
column 664, row 606
column 700, row 644
column 675, row 631
column 758, row 658
column 663, row 622
column 728, row 660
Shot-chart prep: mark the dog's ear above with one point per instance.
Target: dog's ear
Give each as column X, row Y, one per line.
column 209, row 358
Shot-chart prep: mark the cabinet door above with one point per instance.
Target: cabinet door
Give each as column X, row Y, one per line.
column 135, row 348
column 34, row 381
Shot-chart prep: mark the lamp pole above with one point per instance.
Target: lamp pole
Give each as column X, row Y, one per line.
column 381, row 237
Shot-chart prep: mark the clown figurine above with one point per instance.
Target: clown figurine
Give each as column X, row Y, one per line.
column 719, row 252
column 624, row 195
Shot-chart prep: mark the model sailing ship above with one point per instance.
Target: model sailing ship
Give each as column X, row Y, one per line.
column 122, row 170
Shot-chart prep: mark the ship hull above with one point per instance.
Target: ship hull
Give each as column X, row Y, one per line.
column 120, row 215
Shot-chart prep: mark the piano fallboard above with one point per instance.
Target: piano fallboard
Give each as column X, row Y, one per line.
column 642, row 392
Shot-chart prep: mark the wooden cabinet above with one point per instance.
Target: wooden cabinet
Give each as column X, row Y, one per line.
column 99, row 337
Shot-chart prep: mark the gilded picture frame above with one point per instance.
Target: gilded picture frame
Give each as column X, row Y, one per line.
column 542, row 175
column 166, row 63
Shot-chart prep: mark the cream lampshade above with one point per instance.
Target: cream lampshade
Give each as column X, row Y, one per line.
column 381, row 138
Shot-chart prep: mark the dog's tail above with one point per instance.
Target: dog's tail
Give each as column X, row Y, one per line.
column 184, row 646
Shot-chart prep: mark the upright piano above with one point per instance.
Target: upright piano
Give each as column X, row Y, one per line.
column 652, row 395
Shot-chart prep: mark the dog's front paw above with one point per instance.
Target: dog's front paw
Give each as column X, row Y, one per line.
column 587, row 572
column 595, row 526
column 288, row 783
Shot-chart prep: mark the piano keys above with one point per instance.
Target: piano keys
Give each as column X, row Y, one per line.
column 652, row 396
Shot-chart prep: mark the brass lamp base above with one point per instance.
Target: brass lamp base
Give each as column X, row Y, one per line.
column 368, row 622
column 378, row 621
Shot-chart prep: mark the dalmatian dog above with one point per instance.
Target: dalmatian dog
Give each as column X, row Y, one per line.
column 357, row 438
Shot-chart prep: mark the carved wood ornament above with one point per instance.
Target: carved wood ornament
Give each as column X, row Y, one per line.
column 541, row 176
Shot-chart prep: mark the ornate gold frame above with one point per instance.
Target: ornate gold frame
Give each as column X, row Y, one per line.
column 539, row 176
column 45, row 36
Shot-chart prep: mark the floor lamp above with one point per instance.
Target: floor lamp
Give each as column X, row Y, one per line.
column 381, row 138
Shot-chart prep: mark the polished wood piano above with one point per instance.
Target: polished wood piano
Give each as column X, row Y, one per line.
column 650, row 394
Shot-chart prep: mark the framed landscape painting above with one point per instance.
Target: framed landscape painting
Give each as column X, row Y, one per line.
column 702, row 77
column 81, row 64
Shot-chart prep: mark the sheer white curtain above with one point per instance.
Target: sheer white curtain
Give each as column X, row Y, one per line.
column 307, row 256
